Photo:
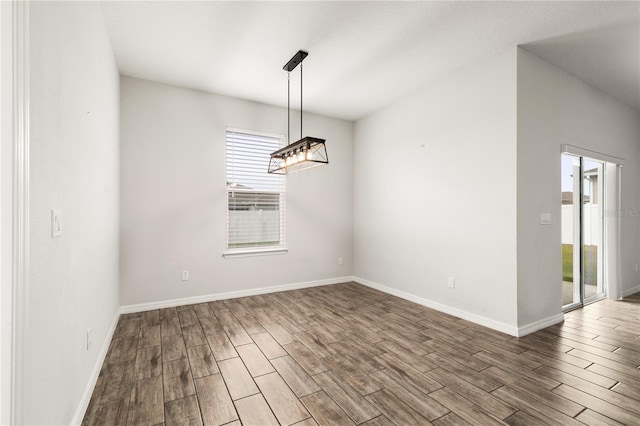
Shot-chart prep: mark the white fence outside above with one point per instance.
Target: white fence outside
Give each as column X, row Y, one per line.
column 253, row 226
column 592, row 222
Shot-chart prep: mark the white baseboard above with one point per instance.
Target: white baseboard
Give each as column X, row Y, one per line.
column 540, row 324
column 141, row 307
column 631, row 291
column 478, row 319
column 91, row 384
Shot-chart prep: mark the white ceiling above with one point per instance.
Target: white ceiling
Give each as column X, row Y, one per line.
column 365, row 55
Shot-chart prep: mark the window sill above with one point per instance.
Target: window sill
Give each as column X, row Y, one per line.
column 250, row 252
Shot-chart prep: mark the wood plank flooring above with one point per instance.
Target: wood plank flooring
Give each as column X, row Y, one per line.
column 346, row 354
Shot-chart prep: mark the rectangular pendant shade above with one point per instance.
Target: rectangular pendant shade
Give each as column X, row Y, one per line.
column 304, row 154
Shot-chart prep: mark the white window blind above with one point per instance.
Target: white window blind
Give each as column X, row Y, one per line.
column 255, row 198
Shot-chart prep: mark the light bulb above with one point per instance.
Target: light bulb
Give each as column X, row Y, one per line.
column 309, row 155
column 301, row 156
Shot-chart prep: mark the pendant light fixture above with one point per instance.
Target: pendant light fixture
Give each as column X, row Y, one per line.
column 307, row 152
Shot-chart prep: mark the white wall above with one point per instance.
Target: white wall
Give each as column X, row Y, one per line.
column 173, row 196
column 448, row 209
column 74, row 167
column 555, row 108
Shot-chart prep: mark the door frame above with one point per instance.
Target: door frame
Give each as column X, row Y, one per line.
column 612, row 177
column 14, row 202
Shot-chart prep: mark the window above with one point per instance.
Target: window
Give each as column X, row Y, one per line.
column 255, row 198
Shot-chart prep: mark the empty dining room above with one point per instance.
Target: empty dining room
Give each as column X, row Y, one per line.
column 319, row 213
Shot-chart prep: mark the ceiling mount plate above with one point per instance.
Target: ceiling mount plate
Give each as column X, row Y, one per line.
column 297, row 59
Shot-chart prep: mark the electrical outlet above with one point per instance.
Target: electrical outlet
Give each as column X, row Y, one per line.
column 545, row 218
column 56, row 223
column 452, row 282
column 185, row 275
column 341, row 260
column 89, row 339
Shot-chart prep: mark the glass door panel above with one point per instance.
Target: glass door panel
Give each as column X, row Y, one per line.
column 571, row 270
column 592, row 227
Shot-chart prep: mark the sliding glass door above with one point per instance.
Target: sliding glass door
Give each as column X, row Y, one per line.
column 582, row 231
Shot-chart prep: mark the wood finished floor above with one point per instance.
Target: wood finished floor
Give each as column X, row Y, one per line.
column 346, row 354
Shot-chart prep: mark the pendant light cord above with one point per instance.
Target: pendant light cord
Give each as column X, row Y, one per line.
column 288, row 107
column 300, row 100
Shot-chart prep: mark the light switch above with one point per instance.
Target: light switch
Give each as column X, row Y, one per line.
column 56, row 224
column 545, row 218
